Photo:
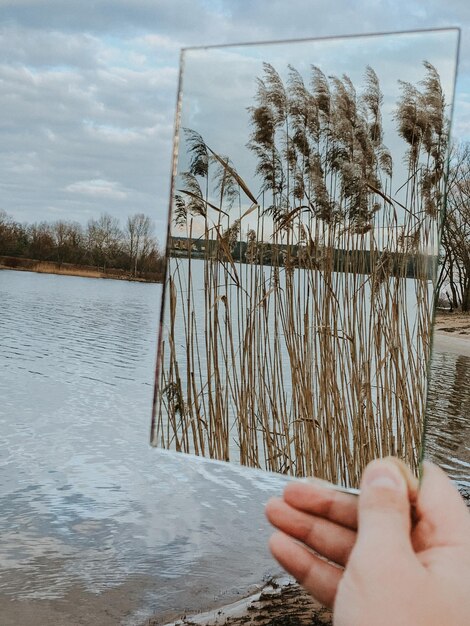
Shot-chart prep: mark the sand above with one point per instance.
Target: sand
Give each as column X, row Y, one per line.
column 79, row 606
column 452, row 333
column 281, row 602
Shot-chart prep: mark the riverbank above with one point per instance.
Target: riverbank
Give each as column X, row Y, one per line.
column 281, row 602
column 452, row 333
column 454, row 323
column 70, row 269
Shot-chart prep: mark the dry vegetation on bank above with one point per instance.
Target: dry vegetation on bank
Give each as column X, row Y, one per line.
column 70, row 269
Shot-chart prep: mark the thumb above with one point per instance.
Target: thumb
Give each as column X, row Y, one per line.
column 441, row 513
column 384, row 523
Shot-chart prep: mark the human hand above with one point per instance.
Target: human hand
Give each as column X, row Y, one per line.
column 382, row 568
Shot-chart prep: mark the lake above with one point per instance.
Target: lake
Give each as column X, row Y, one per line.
column 87, row 506
column 96, row 526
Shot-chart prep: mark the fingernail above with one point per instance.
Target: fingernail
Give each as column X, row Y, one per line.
column 384, row 476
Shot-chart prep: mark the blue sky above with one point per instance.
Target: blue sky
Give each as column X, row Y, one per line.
column 88, row 88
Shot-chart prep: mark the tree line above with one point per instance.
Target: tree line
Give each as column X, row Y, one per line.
column 102, row 243
column 454, row 278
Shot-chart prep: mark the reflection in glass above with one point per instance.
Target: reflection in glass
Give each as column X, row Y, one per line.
column 303, row 242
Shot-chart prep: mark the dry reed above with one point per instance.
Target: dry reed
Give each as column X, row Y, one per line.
column 307, row 351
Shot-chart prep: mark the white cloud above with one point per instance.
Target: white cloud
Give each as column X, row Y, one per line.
column 98, row 188
column 39, row 48
column 68, row 126
column 123, row 136
column 90, row 88
column 159, row 42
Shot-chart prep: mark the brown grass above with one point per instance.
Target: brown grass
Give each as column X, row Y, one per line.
column 65, row 269
column 301, row 364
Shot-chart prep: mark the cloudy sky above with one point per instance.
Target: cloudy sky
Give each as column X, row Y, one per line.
column 88, row 88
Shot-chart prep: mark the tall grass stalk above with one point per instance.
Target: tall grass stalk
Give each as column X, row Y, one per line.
column 307, row 351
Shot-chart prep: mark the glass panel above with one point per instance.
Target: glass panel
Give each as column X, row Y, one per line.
column 303, row 243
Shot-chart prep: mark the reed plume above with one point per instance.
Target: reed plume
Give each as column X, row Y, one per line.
column 298, row 329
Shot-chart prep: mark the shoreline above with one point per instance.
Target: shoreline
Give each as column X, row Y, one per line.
column 452, row 333
column 281, row 601
column 68, row 269
column 451, row 343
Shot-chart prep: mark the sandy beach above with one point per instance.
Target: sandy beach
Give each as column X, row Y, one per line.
column 281, row 602
column 452, row 333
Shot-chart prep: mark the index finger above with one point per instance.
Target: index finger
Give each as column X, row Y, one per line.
column 320, row 499
column 442, row 518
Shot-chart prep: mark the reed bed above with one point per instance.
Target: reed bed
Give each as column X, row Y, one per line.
column 298, row 317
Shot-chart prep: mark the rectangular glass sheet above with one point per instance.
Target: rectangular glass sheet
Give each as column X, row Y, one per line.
column 307, row 195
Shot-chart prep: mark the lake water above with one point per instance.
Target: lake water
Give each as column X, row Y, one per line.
column 86, row 504
column 96, row 523
column 447, row 440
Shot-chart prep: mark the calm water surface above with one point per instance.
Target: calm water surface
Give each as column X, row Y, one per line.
column 85, row 502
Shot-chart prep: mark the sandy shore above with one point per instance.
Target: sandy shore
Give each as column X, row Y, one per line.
column 452, row 333
column 79, row 606
column 281, row 602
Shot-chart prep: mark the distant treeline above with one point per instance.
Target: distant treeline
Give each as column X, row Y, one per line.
column 264, row 253
column 102, row 243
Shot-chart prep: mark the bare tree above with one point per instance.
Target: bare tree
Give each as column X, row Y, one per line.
column 139, row 240
column 104, row 236
column 455, row 262
column 41, row 241
column 13, row 236
column 101, row 243
column 5, row 236
column 68, row 240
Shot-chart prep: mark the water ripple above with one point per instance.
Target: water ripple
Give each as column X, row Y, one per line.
column 84, row 498
column 448, row 428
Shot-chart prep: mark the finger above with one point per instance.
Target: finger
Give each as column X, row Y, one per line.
column 330, row 540
column 410, row 479
column 442, row 518
column 315, row 498
column 384, row 513
column 318, row 577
